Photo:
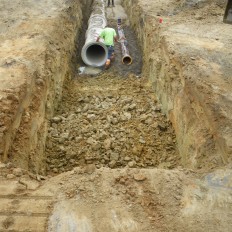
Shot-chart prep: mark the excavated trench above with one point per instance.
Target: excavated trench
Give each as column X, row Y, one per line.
column 89, row 126
column 111, row 120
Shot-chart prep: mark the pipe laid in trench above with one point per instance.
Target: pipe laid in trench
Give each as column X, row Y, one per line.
column 228, row 13
column 95, row 53
column 126, row 58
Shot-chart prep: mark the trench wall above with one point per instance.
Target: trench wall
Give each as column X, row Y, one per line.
column 190, row 72
column 37, row 49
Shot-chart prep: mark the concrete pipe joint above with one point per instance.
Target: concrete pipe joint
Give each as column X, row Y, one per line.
column 95, row 53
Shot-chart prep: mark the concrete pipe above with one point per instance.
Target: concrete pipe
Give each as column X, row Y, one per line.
column 126, row 58
column 95, row 53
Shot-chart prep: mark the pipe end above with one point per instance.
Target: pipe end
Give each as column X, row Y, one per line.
column 94, row 54
column 127, row 60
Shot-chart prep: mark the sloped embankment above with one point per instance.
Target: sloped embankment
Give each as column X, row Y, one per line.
column 188, row 63
column 37, row 43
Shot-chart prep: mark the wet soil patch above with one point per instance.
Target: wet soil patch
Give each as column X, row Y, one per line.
column 135, row 53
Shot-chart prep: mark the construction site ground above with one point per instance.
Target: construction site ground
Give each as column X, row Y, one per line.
column 107, row 152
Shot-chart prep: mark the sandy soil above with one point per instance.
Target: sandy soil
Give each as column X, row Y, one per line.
column 89, row 199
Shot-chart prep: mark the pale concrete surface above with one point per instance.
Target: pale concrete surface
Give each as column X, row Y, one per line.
column 113, row 13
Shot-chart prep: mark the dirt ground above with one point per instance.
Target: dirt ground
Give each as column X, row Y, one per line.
column 128, row 199
column 110, row 121
column 113, row 159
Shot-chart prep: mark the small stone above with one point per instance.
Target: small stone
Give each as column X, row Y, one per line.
column 78, row 110
column 20, row 187
column 12, row 97
column 89, row 168
column 132, row 107
column 91, row 116
column 121, row 180
column 198, row 17
column 114, row 156
column 10, row 176
column 149, row 121
column 77, row 170
column 132, row 164
column 114, row 114
column 98, row 166
column 105, row 105
column 114, row 121
column 127, row 158
column 72, row 161
column 91, row 141
column 78, row 139
column 123, row 118
column 55, row 170
column 56, row 119
column 141, row 140
column 102, row 136
column 2, row 165
column 96, row 146
column 170, row 140
column 112, row 164
column 71, row 116
column 127, row 100
column 140, row 177
column 109, row 118
column 65, row 135
column 17, row 172
column 9, row 165
column 127, row 115
column 157, row 109
column 107, row 144
column 143, row 117
column 86, row 108
column 10, row 61
column 162, row 127
column 134, row 151
column 106, row 158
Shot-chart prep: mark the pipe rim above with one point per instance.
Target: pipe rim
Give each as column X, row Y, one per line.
column 127, row 57
column 88, row 62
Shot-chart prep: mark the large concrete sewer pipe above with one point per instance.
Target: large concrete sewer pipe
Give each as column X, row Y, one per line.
column 95, row 53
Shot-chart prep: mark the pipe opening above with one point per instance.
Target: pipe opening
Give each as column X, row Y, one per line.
column 95, row 55
column 127, row 60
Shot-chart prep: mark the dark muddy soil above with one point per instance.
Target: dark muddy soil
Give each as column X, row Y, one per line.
column 135, row 53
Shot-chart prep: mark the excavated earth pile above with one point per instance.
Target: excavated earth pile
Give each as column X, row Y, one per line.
column 110, row 121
